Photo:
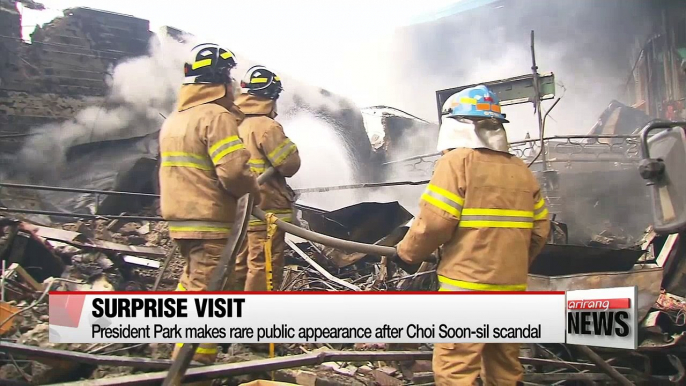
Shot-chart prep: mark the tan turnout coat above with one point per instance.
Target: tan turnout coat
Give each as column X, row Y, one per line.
column 486, row 211
column 268, row 145
column 204, row 166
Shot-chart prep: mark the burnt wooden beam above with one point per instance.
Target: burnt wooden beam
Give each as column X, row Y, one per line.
column 50, row 354
column 311, row 359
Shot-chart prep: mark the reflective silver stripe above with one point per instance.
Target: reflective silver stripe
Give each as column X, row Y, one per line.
column 199, row 226
column 224, row 147
column 277, row 156
column 443, row 199
column 257, row 165
column 447, row 287
column 186, row 161
column 497, row 218
column 540, row 213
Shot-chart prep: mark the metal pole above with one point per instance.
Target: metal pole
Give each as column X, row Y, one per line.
column 76, row 190
column 2, row 283
column 79, row 215
column 537, row 101
column 222, row 274
column 604, row 366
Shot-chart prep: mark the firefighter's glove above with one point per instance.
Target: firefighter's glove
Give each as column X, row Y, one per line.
column 402, row 264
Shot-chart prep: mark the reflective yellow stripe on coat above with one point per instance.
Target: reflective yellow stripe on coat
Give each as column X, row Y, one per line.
column 187, row 160
column 496, row 218
column 447, row 284
column 257, row 165
column 198, row 226
column 540, row 210
column 225, row 147
column 444, row 200
column 278, row 155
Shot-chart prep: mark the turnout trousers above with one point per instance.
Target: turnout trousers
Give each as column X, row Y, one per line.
column 462, row 363
column 201, row 256
column 251, row 269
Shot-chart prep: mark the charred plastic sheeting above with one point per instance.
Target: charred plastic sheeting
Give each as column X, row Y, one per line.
column 647, row 280
column 557, row 260
column 127, row 165
column 366, row 222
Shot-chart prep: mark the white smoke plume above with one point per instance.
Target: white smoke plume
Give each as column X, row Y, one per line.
column 140, row 89
column 403, row 71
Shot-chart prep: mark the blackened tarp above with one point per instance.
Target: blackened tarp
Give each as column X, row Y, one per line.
column 123, row 165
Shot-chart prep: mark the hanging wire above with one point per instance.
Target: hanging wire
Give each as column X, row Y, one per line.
column 564, row 90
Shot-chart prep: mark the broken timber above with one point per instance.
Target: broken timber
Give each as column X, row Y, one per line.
column 311, row 359
column 39, row 353
column 77, row 239
column 319, row 269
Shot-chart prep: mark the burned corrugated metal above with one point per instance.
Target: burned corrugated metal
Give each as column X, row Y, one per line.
column 366, row 222
column 25, row 248
column 557, row 260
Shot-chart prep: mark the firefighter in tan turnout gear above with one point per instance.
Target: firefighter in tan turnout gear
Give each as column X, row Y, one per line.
column 204, row 169
column 268, row 146
column 484, row 208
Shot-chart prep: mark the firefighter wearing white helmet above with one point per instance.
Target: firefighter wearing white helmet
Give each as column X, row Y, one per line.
column 484, row 209
column 269, row 146
column 204, row 169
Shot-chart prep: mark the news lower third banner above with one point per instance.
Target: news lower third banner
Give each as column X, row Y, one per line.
column 344, row 317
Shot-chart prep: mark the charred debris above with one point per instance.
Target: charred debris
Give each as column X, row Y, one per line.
column 106, row 235
column 132, row 255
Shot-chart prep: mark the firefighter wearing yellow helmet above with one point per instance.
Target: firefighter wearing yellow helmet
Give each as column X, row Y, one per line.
column 204, row 169
column 269, row 147
column 483, row 207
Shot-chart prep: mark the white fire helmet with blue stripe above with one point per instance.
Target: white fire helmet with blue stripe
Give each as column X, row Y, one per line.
column 472, row 119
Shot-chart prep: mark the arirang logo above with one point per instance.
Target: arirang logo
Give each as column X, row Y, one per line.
column 588, row 304
column 597, row 317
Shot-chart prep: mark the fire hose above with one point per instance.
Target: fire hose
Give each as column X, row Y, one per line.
column 223, row 273
column 346, row 245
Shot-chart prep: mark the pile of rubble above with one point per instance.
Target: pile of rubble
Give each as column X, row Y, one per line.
column 122, row 255
column 114, row 255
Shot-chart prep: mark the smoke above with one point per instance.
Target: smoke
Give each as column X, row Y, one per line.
column 324, row 159
column 142, row 89
column 402, row 70
column 139, row 90
column 591, row 66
